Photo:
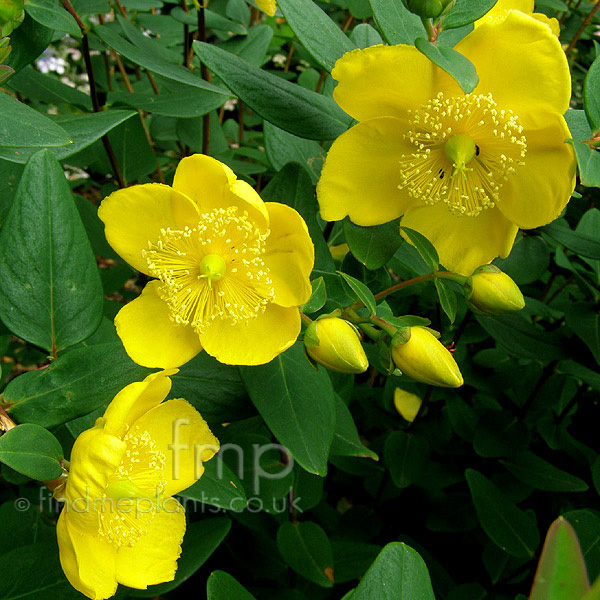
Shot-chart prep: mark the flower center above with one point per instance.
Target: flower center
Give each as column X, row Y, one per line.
column 465, row 150
column 214, row 270
column 133, row 493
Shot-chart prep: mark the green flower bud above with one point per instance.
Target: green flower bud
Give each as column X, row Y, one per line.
column 12, row 14
column 425, row 359
column 335, row 344
column 489, row 291
column 428, row 9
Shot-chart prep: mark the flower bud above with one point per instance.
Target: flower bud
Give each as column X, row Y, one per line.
column 489, row 291
column 335, row 344
column 425, row 359
column 428, row 9
column 407, row 404
column 12, row 14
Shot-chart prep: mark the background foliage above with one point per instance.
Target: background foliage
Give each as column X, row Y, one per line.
column 471, row 485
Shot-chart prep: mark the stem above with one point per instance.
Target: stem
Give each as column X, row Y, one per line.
column 585, row 23
column 548, row 370
column 288, row 61
column 93, row 92
column 206, row 76
column 430, row 29
column 305, row 319
column 404, row 284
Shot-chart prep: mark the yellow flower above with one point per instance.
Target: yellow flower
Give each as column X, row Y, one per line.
column 500, row 11
column 230, row 270
column 492, row 292
column 465, row 170
column 120, row 523
column 335, row 344
column 267, row 6
column 423, row 358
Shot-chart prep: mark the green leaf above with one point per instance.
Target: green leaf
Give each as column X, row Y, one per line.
column 451, row 61
column 28, row 41
column 591, row 95
column 283, row 147
column 214, row 389
column 447, row 298
column 56, row 301
column 527, row 261
column 306, row 549
column 587, row 527
column 561, row 572
column 318, row 33
column 318, row 297
column 538, row 473
column 83, row 129
column 218, row 486
column 364, row 36
column 587, row 158
column 346, row 441
column 363, row 293
column 51, row 14
column 405, row 456
column 579, row 243
column 425, row 248
column 583, row 318
column 298, row 405
column 286, row 105
column 466, row 11
column 149, row 61
column 396, row 23
column 32, row 451
column 253, row 47
column 201, row 539
column 372, row 246
column 73, row 385
column 222, row 586
column 398, row 573
column 520, row 338
column 48, row 581
column 22, row 126
column 505, row 524
column 214, row 21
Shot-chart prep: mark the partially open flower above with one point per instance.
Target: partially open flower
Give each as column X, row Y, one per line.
column 120, row 523
column 230, row 270
column 425, row 359
column 335, row 344
column 489, row 291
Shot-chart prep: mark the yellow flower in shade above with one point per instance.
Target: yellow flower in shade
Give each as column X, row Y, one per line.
column 465, row 170
column 267, row 6
column 120, row 523
column 424, row 358
column 230, row 269
column 500, row 11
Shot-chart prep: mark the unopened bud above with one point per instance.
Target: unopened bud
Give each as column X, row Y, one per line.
column 429, row 9
column 407, row 404
column 425, row 359
column 335, row 344
column 489, row 291
column 12, row 13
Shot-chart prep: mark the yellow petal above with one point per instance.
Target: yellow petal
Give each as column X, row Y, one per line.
column 500, row 10
column 153, row 559
column 135, row 400
column 94, row 458
column 362, row 171
column 522, row 64
column 134, row 216
column 212, row 184
column 150, row 337
column 539, row 191
column 385, row 81
column 290, row 255
column 185, row 439
column 267, row 6
column 550, row 22
column 253, row 341
column 463, row 243
column 86, row 559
